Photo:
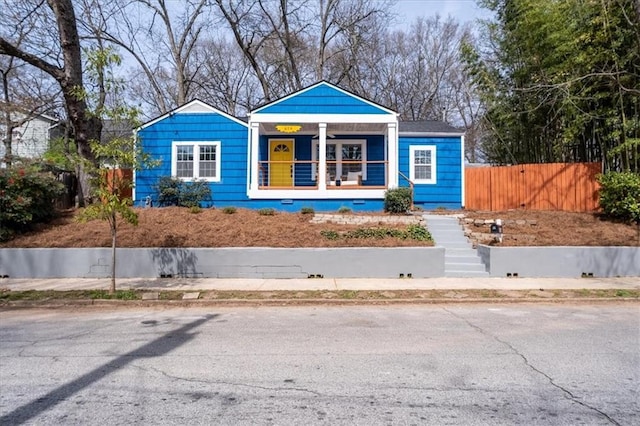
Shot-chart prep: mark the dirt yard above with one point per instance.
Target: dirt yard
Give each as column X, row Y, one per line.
column 178, row 227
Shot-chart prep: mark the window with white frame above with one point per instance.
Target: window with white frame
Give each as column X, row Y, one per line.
column 196, row 160
column 343, row 157
column 422, row 164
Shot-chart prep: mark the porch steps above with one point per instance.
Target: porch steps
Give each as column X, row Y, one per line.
column 460, row 258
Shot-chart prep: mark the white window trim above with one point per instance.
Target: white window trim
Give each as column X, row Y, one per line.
column 338, row 143
column 196, row 159
column 412, row 163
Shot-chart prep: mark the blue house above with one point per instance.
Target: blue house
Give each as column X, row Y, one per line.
column 321, row 147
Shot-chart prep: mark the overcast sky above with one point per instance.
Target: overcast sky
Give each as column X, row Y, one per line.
column 463, row 10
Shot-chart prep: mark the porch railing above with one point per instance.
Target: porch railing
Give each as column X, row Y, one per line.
column 340, row 175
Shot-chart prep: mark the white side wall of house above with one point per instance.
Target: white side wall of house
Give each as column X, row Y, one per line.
column 31, row 140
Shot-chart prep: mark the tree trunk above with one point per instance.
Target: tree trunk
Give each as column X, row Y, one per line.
column 85, row 126
column 114, row 229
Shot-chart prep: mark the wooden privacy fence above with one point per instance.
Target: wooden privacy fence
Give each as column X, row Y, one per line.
column 122, row 178
column 568, row 187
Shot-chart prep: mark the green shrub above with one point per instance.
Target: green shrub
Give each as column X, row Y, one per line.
column 307, row 210
column 267, row 211
column 229, row 210
column 330, row 235
column 412, row 232
column 419, row 233
column 175, row 192
column 27, row 197
column 620, row 195
column 344, row 210
column 195, row 209
column 398, row 200
column 376, row 233
column 168, row 191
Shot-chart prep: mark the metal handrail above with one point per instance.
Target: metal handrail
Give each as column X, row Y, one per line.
column 411, row 184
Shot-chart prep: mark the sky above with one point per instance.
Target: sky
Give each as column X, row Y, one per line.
column 463, row 10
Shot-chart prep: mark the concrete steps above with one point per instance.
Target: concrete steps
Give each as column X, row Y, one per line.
column 461, row 260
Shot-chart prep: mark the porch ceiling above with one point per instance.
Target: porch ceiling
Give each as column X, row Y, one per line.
column 332, row 128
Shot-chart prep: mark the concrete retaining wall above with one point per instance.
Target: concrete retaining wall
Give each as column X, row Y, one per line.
column 420, row 262
column 561, row 261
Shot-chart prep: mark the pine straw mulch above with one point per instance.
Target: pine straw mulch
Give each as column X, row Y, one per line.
column 553, row 228
column 178, row 227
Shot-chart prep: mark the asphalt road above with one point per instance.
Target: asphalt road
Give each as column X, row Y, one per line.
column 444, row 364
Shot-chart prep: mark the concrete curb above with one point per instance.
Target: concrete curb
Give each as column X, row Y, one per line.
column 100, row 303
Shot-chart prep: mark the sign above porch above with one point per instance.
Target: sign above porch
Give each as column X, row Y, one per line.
column 288, row 128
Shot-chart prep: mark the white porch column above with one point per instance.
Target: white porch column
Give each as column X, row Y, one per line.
column 392, row 158
column 254, row 166
column 322, row 156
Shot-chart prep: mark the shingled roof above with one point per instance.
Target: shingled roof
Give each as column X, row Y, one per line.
column 428, row 126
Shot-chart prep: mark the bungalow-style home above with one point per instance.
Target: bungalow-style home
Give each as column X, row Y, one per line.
column 322, row 147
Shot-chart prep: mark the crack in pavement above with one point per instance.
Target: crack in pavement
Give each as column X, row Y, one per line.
column 217, row 382
column 567, row 393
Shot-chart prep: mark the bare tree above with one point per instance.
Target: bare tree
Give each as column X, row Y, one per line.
column 224, row 78
column 63, row 62
column 161, row 37
column 288, row 47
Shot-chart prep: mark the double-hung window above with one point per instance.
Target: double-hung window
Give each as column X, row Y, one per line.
column 422, row 164
column 196, row 160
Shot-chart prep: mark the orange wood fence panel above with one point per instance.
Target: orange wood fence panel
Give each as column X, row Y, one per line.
column 558, row 186
column 123, row 179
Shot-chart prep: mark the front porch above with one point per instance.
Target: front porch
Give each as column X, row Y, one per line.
column 322, row 143
column 322, row 160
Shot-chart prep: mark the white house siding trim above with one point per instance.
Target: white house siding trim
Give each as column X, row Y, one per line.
column 323, row 118
column 254, row 169
column 392, row 148
column 312, row 194
column 462, row 180
column 322, row 153
column 431, row 134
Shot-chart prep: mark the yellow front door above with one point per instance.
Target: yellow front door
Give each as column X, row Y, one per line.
column 281, row 162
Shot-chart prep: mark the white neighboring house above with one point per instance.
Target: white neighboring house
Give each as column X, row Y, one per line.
column 32, row 139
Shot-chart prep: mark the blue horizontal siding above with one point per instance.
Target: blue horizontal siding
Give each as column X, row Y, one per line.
column 157, row 140
column 447, row 191
column 322, row 99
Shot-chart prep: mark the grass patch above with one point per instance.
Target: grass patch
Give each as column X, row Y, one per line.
column 6, row 295
column 118, row 295
column 50, row 295
column 347, row 294
column 170, row 295
column 267, row 212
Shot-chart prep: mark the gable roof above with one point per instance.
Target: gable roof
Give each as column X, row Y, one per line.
column 195, row 106
column 322, row 98
column 428, row 127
